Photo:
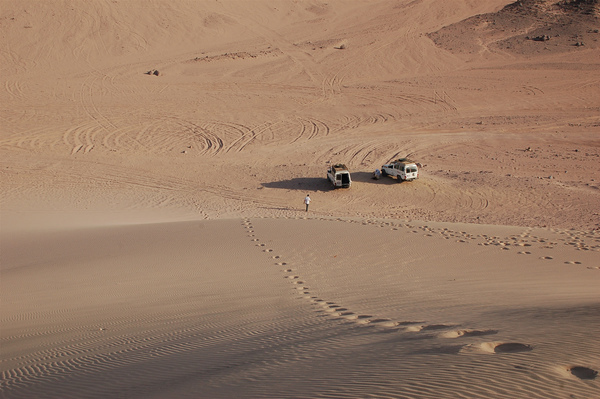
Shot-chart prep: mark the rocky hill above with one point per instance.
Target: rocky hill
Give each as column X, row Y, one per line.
column 526, row 27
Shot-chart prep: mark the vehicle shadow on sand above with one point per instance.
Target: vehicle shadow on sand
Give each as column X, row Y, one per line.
column 313, row 184
column 367, row 177
column 308, row 184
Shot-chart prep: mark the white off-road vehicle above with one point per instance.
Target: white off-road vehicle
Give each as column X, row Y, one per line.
column 339, row 176
column 403, row 169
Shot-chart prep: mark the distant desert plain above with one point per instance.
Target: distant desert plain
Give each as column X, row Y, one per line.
column 154, row 160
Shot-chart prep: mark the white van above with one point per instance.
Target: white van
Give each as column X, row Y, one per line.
column 403, row 169
column 339, row 176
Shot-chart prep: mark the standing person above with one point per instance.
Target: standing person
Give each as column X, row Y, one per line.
column 307, row 201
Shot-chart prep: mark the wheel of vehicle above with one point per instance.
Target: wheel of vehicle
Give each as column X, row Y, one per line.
column 383, row 172
column 400, row 180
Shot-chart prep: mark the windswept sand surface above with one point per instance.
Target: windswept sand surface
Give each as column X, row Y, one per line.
column 300, row 308
column 155, row 156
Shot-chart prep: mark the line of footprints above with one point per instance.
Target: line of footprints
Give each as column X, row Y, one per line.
column 341, row 312
column 329, row 307
column 522, row 243
column 445, row 331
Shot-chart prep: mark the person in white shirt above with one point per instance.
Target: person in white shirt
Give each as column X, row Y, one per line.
column 307, row 201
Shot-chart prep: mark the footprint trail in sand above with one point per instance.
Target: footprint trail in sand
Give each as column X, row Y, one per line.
column 472, row 340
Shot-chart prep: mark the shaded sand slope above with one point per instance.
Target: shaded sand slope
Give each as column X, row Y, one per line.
column 300, row 308
column 143, row 307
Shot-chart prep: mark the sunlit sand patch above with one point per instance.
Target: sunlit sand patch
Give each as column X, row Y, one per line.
column 363, row 319
column 467, row 333
column 389, row 323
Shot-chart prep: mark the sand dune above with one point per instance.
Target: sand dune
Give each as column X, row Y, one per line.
column 155, row 156
column 299, row 308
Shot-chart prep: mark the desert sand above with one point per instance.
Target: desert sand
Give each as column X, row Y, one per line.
column 154, row 160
